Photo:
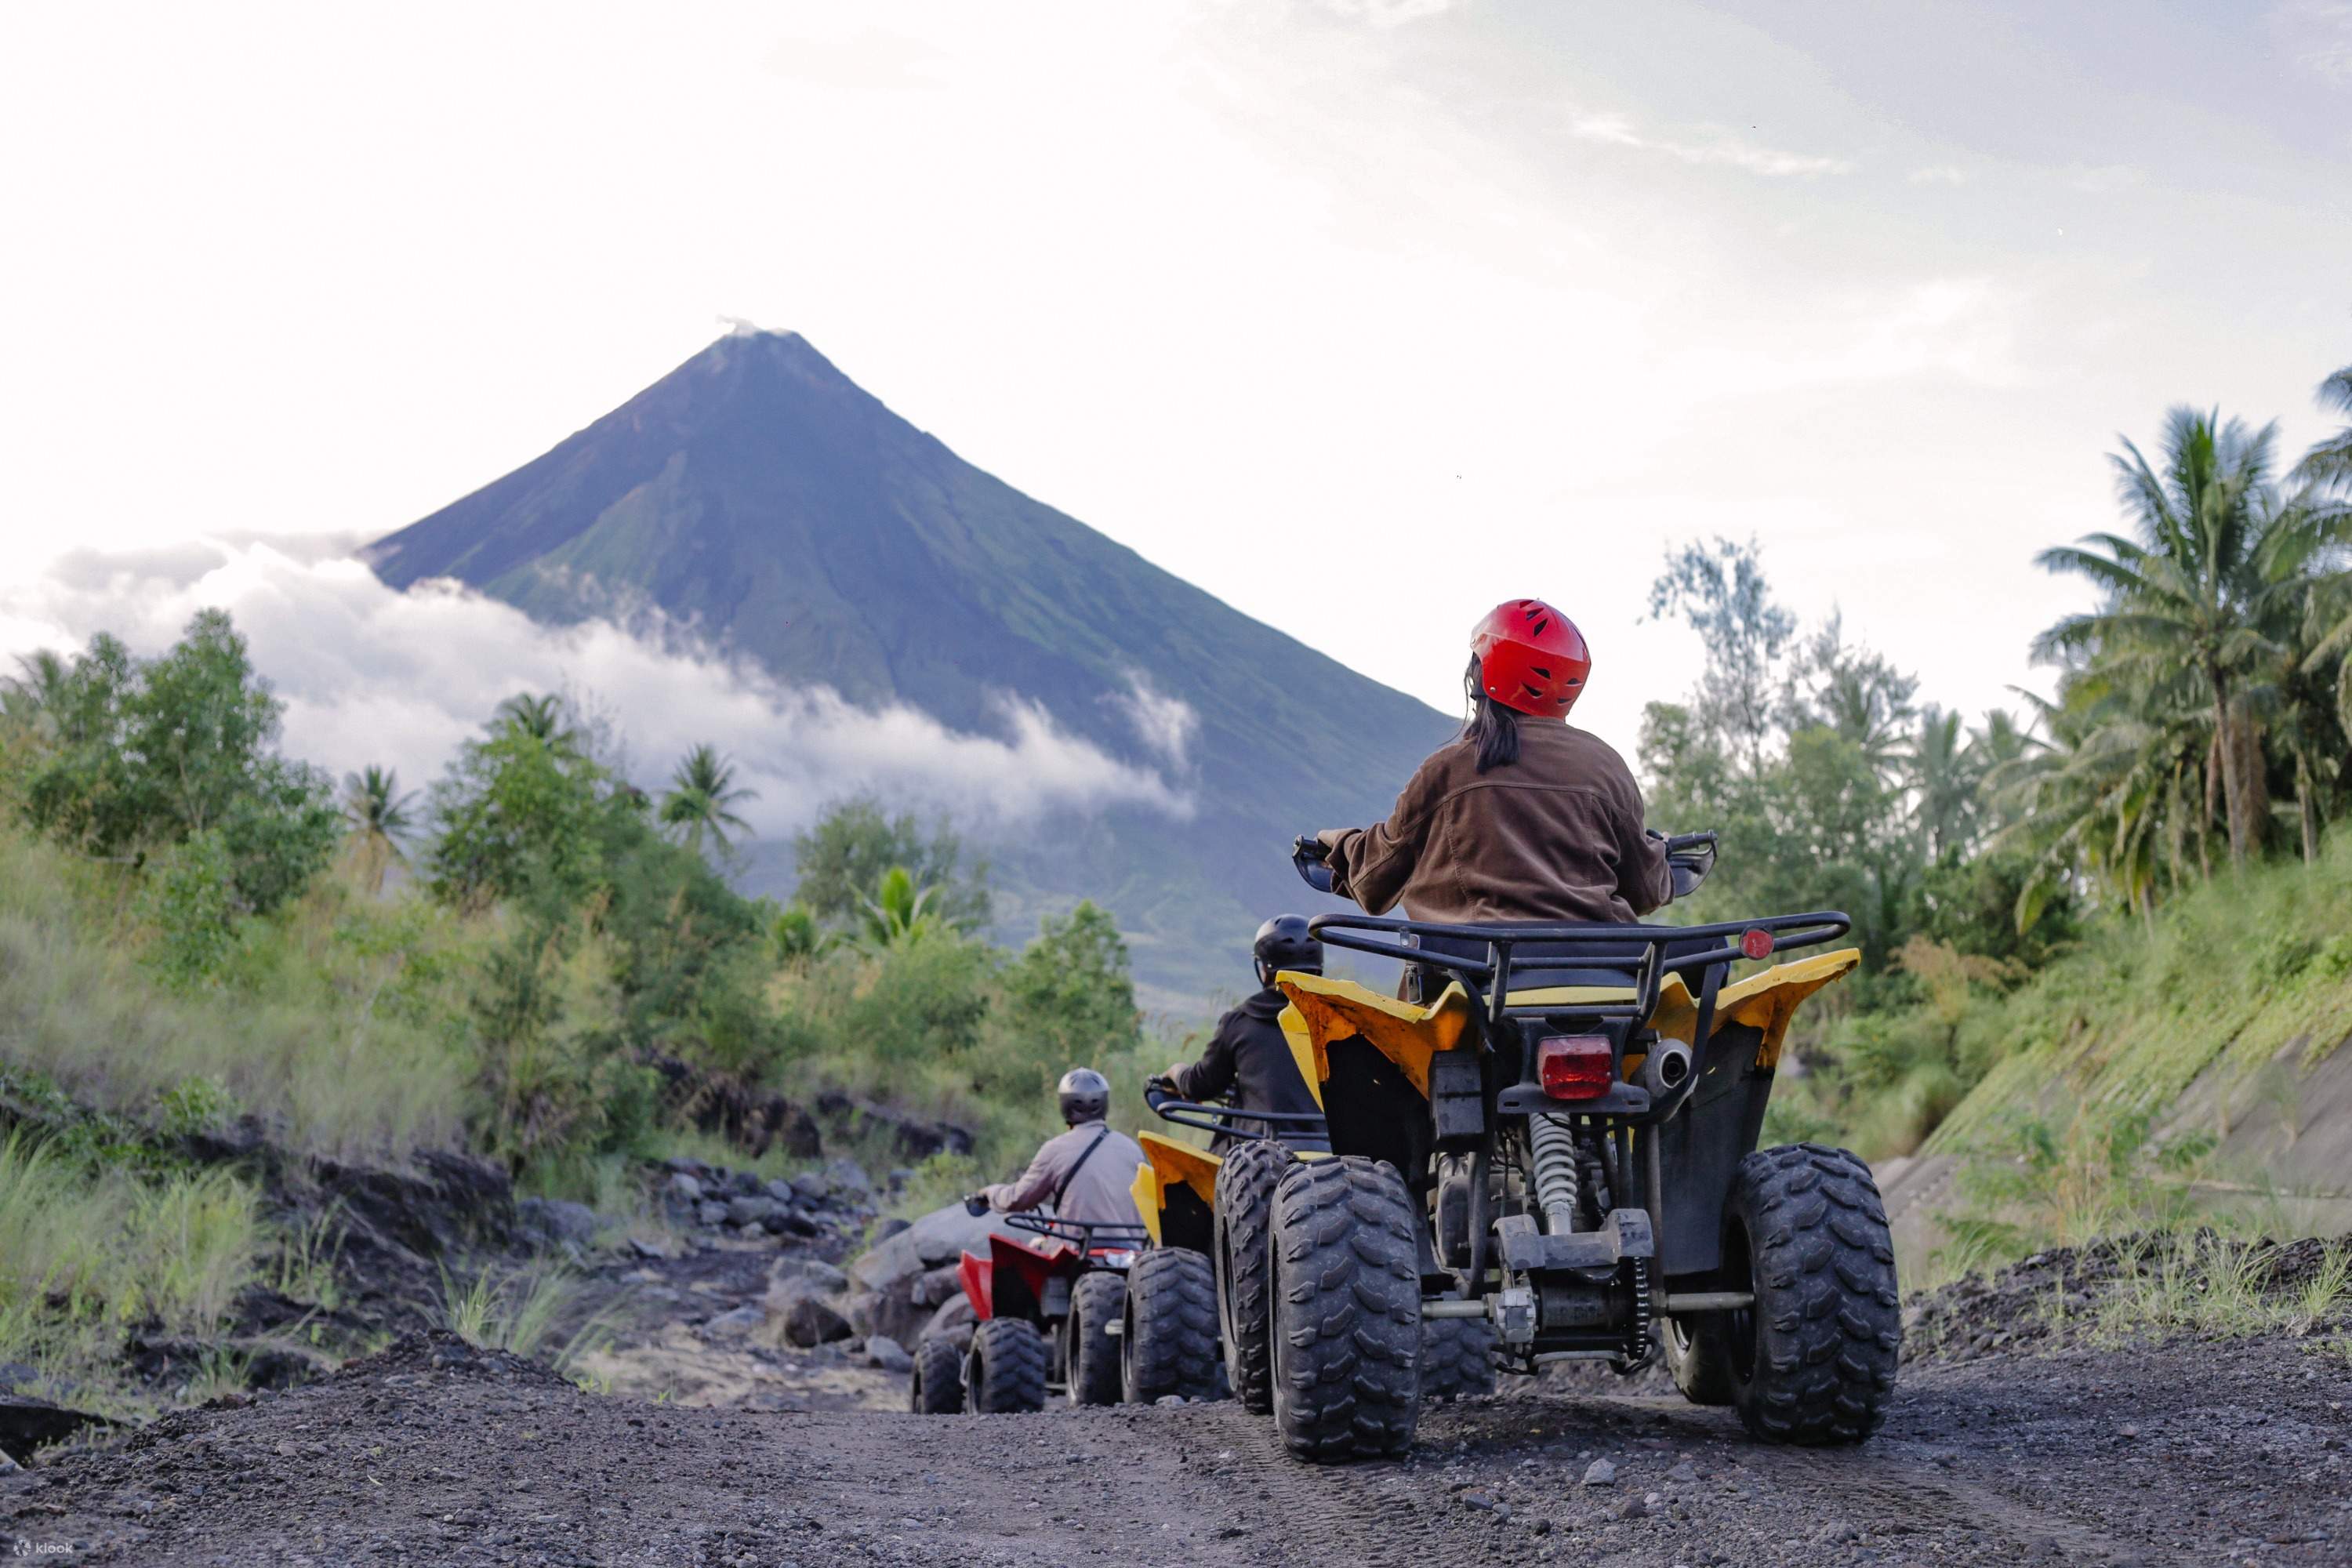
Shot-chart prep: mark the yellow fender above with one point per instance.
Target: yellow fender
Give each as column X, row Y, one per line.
column 1323, row 1010
column 1168, row 1164
column 1767, row 1002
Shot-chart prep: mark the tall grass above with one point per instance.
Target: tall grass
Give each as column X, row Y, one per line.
column 87, row 1254
column 324, row 1035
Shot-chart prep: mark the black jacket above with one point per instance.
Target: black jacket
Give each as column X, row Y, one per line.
column 1249, row 1063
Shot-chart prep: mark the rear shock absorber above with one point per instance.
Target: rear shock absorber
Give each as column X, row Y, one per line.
column 1554, row 1149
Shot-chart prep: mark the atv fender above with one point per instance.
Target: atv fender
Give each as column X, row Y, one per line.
column 1766, row 1002
column 1407, row 1033
column 1175, row 1191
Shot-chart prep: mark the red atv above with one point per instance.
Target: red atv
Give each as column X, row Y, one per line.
column 1050, row 1313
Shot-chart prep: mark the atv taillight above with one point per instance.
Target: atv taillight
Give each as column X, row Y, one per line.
column 1576, row 1066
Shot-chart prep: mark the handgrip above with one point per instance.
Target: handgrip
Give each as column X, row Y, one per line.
column 1313, row 858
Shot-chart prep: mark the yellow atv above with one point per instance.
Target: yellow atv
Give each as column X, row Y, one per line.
column 1224, row 1205
column 1555, row 1134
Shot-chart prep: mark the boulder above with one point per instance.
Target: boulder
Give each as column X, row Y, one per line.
column 864, row 1122
column 686, row 1186
column 737, row 1323
column 890, row 1269
column 848, row 1178
column 888, row 1355
column 710, row 1212
column 933, row 1287
column 558, row 1223
column 752, row 1209
column 809, row 1322
column 812, row 1186
column 809, row 1274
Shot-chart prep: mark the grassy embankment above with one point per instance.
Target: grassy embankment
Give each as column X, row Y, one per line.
column 2163, row 1074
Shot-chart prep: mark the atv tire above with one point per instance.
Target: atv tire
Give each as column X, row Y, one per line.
column 1347, row 1311
column 1169, row 1342
column 938, row 1388
column 1246, row 1184
column 1457, row 1358
column 1008, row 1367
column 1698, row 1355
column 1098, row 1303
column 1813, row 1362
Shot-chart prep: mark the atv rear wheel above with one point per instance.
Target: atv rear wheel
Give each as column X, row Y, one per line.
column 1169, row 1343
column 1098, row 1303
column 1347, row 1311
column 1008, row 1367
column 939, row 1377
column 1698, row 1355
column 1814, row 1360
column 1457, row 1358
column 1246, row 1184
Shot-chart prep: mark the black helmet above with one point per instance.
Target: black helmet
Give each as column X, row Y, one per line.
column 1085, row 1096
column 1283, row 942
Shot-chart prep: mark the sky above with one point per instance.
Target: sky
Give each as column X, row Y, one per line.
column 1361, row 314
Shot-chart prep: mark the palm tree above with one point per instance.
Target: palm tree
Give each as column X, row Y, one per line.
column 701, row 794
column 380, row 818
column 1943, row 773
column 39, row 693
column 2328, row 466
column 545, row 719
column 900, row 914
column 2216, row 556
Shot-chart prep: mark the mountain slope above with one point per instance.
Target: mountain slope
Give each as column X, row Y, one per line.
column 759, row 494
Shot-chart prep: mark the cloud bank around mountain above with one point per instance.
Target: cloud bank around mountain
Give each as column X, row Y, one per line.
column 370, row 675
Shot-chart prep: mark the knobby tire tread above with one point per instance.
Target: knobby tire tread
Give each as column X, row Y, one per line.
column 1347, row 1311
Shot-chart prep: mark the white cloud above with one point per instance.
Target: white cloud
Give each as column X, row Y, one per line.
column 1164, row 723
column 1388, row 13
column 370, row 675
column 1939, row 175
column 2317, row 36
column 1712, row 145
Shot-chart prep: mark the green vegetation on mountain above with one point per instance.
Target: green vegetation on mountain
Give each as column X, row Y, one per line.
column 759, row 498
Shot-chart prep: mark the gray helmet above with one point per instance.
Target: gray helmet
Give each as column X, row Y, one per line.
column 1283, row 942
column 1085, row 1096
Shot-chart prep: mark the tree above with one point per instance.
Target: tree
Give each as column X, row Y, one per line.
column 900, row 914
column 381, row 818
column 546, row 719
column 515, row 812
column 145, row 754
column 2328, row 468
column 2216, row 554
column 844, row 855
column 36, row 697
column 1069, row 996
column 1943, row 772
column 1721, row 590
column 701, row 798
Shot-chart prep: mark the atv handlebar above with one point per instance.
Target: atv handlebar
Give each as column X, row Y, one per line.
column 1313, row 858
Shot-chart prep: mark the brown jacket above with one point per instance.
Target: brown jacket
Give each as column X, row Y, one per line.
column 1556, row 835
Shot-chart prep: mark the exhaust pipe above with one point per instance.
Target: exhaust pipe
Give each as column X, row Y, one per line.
column 1665, row 1069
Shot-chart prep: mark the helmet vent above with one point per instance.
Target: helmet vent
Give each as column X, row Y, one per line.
column 1539, row 669
column 1541, row 623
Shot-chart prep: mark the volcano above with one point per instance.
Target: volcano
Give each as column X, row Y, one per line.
column 759, row 497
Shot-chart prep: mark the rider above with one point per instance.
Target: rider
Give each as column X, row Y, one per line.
column 1247, row 1060
column 1522, row 817
column 1085, row 1173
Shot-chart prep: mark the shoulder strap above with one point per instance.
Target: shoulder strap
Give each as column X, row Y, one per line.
column 1078, row 1164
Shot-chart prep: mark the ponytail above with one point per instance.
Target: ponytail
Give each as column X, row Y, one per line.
column 1492, row 728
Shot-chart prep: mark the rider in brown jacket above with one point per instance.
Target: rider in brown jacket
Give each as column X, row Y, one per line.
column 1523, row 816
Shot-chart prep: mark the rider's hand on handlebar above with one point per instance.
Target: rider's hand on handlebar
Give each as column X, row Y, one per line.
column 975, row 1205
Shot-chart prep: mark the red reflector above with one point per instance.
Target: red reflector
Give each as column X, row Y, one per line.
column 1756, row 942
column 1575, row 1067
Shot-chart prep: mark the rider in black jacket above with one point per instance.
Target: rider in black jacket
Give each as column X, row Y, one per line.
column 1248, row 1062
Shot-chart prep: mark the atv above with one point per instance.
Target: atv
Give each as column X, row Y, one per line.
column 1553, row 1133
column 1222, row 1205
column 1048, row 1315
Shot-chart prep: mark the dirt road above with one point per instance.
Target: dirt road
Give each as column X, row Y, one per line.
column 436, row 1453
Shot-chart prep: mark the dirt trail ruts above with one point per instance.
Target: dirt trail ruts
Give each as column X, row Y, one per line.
column 2194, row 1453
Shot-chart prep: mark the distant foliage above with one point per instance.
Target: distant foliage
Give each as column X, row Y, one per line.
column 842, row 859
column 133, row 756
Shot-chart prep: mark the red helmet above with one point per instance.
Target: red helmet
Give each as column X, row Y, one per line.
column 1531, row 657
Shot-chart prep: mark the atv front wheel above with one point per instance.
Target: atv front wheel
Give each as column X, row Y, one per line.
column 1098, row 1304
column 1169, row 1344
column 939, row 1377
column 1814, row 1360
column 1008, row 1367
column 1699, row 1356
column 1347, row 1311
column 1246, row 1184
column 1457, row 1358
